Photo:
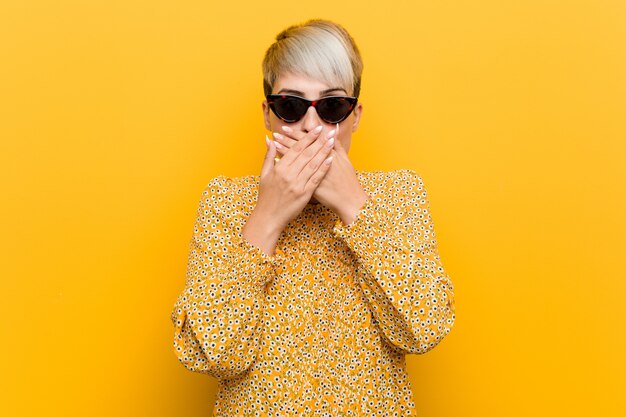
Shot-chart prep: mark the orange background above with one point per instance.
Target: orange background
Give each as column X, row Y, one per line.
column 116, row 114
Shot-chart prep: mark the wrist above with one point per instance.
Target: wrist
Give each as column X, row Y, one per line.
column 352, row 207
column 262, row 231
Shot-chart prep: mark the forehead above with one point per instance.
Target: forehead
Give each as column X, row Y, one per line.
column 309, row 87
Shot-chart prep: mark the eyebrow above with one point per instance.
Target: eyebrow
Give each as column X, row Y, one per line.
column 300, row 93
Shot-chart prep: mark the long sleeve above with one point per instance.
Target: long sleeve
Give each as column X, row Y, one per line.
column 400, row 271
column 217, row 315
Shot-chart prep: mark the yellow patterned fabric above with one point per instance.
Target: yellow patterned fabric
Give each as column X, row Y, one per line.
column 322, row 326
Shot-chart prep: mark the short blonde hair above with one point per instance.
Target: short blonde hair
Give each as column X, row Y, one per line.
column 317, row 48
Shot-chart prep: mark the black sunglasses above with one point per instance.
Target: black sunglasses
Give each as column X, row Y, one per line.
column 331, row 109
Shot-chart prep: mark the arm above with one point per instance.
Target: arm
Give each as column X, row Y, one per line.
column 401, row 274
column 217, row 316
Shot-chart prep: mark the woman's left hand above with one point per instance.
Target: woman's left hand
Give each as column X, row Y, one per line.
column 340, row 189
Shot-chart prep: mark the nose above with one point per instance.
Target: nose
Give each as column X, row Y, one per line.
column 311, row 119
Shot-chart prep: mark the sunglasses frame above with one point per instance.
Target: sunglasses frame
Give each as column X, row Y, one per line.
column 271, row 97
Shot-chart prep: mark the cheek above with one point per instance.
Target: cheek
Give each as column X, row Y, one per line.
column 275, row 122
column 345, row 143
column 345, row 131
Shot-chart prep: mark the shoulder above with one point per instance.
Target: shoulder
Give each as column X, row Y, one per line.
column 224, row 185
column 407, row 182
column 230, row 194
column 399, row 181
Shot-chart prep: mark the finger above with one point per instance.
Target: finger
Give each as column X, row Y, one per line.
column 307, row 167
column 324, row 143
column 287, row 138
column 268, row 162
column 339, row 147
column 290, row 139
column 293, row 134
column 319, row 174
column 280, row 148
column 283, row 141
column 301, row 145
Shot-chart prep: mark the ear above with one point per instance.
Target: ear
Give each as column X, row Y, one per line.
column 266, row 114
column 357, row 116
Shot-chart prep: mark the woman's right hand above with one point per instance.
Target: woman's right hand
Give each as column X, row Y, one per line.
column 286, row 186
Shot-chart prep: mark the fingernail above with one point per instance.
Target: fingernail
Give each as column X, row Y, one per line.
column 318, row 129
column 277, row 135
column 330, row 142
column 278, row 145
column 331, row 133
column 267, row 141
column 328, row 160
column 287, row 129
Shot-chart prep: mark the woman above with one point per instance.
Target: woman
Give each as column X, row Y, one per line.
column 308, row 284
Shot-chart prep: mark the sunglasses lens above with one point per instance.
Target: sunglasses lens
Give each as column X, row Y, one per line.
column 290, row 109
column 334, row 109
column 330, row 109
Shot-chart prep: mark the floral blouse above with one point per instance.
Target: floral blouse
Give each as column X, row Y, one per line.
column 322, row 326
